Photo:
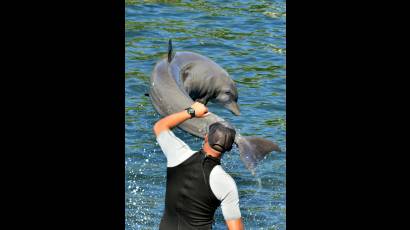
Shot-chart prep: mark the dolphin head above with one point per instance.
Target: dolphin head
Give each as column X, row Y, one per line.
column 228, row 97
column 233, row 107
column 204, row 81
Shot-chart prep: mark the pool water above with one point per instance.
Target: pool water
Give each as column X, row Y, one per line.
column 246, row 38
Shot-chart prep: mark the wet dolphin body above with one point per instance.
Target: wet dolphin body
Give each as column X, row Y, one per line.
column 202, row 79
column 168, row 97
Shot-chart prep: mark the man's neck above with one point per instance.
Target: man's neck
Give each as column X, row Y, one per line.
column 209, row 151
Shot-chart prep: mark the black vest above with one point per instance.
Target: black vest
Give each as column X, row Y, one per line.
column 189, row 200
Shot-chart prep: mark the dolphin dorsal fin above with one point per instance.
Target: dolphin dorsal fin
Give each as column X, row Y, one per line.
column 171, row 54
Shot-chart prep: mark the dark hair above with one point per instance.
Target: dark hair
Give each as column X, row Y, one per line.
column 221, row 137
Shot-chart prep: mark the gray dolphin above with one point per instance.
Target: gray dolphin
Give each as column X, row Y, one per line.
column 167, row 97
column 202, row 79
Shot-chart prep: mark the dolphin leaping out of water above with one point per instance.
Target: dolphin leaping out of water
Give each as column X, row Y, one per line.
column 169, row 95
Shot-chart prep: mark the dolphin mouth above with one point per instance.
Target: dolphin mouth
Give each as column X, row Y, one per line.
column 233, row 107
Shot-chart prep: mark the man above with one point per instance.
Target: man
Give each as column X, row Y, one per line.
column 196, row 183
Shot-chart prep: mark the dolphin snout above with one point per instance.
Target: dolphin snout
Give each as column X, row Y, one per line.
column 234, row 108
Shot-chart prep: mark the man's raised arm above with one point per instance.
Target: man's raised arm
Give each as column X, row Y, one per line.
column 175, row 119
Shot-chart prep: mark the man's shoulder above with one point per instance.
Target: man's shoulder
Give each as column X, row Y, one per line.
column 218, row 170
column 219, row 175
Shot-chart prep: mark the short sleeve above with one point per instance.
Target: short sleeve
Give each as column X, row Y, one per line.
column 175, row 150
column 224, row 188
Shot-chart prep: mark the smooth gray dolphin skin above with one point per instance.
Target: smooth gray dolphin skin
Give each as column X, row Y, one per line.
column 169, row 97
column 202, row 79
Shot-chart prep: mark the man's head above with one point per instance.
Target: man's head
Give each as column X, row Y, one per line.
column 220, row 138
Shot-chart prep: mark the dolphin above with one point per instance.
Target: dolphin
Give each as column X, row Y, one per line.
column 202, row 79
column 168, row 97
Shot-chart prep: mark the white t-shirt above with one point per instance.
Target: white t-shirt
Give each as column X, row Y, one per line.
column 221, row 183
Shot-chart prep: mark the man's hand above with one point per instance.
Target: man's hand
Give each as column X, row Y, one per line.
column 200, row 109
column 175, row 119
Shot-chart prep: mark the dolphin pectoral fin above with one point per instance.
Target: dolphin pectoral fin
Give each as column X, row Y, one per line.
column 254, row 149
column 233, row 107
